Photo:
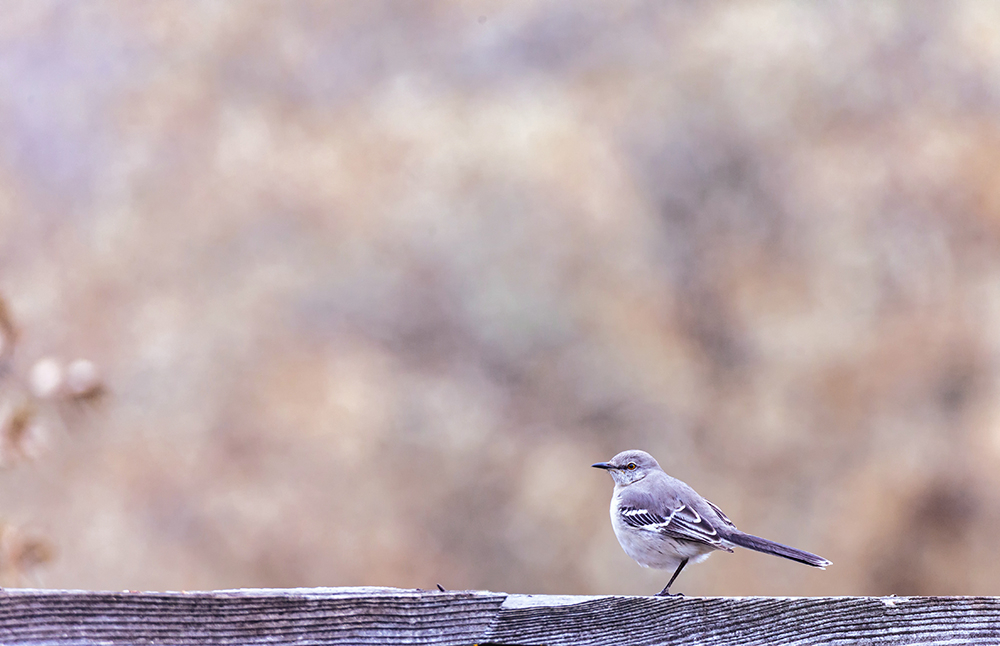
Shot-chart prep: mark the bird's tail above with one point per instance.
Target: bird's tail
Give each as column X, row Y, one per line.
column 759, row 544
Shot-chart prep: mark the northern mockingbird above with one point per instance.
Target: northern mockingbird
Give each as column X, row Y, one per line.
column 662, row 523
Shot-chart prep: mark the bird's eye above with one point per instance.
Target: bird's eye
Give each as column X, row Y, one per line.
column 630, row 466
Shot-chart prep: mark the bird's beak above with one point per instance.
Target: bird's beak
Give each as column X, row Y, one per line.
column 603, row 465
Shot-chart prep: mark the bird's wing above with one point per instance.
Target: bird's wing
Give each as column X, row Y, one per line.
column 722, row 516
column 673, row 516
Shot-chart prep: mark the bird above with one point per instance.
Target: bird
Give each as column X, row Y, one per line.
column 664, row 524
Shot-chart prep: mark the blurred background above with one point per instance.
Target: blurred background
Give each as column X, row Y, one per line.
column 330, row 293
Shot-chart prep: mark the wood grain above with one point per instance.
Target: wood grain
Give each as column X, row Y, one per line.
column 315, row 616
column 393, row 616
column 752, row 620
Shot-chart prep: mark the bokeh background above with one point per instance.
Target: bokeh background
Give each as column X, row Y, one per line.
column 353, row 293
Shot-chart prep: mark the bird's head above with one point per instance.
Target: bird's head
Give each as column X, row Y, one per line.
column 629, row 466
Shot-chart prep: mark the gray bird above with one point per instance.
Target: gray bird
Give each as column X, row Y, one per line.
column 662, row 523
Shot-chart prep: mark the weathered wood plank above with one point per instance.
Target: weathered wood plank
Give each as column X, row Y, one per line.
column 393, row 616
column 769, row 621
column 309, row 616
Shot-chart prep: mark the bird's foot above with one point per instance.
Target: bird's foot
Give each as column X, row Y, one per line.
column 665, row 592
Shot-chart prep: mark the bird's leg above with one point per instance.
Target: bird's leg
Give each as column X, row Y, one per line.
column 665, row 592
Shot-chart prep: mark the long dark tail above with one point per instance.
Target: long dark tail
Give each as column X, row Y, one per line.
column 759, row 544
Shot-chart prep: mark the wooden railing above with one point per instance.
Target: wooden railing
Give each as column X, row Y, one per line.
column 393, row 616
